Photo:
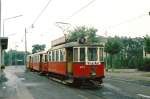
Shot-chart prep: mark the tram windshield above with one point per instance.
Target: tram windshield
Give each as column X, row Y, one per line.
column 80, row 54
column 92, row 54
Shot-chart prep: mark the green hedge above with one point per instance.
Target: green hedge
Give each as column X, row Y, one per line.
column 146, row 65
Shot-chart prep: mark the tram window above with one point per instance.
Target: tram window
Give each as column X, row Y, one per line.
column 92, row 54
column 61, row 55
column 34, row 59
column 101, row 54
column 53, row 56
column 50, row 56
column 45, row 58
column 38, row 58
column 82, row 54
column 57, row 55
column 75, row 54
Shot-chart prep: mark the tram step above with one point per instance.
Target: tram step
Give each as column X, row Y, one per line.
column 69, row 80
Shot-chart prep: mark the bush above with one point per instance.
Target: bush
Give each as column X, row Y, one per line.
column 146, row 65
column 2, row 67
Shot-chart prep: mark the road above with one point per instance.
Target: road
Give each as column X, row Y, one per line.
column 31, row 85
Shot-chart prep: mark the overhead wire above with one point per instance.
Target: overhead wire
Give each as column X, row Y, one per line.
column 32, row 25
column 126, row 21
column 74, row 13
column 41, row 12
column 82, row 8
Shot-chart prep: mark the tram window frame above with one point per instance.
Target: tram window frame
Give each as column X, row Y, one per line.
column 57, row 55
column 28, row 57
column 43, row 58
column 88, row 53
column 50, row 56
column 82, row 54
column 101, row 54
column 46, row 59
column 38, row 58
column 61, row 55
column 34, row 59
column 53, row 55
column 76, row 54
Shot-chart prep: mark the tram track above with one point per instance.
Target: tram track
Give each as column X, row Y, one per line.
column 140, row 82
column 112, row 88
column 108, row 94
column 102, row 92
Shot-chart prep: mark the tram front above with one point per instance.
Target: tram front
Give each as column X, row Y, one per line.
column 88, row 62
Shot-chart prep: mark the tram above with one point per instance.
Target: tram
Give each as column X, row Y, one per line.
column 72, row 62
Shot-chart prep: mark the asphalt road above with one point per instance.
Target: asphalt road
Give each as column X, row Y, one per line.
column 40, row 87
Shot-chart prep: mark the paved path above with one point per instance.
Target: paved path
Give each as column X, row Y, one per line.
column 30, row 85
column 13, row 88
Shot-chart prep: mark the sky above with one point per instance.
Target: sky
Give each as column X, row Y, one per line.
column 111, row 17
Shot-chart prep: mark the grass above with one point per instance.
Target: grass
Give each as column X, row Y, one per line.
column 146, row 75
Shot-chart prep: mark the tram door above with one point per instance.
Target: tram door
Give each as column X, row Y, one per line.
column 29, row 62
column 69, row 58
column 40, row 62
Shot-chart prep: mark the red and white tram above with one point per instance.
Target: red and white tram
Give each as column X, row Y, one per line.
column 72, row 62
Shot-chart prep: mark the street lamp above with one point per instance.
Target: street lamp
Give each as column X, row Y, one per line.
column 4, row 20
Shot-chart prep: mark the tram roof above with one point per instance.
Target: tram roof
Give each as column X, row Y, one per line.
column 76, row 44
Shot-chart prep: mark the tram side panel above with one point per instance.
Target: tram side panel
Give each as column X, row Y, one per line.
column 80, row 70
column 44, row 67
column 36, row 62
column 56, row 62
column 57, row 68
column 44, row 64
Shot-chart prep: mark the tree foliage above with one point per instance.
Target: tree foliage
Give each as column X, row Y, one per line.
column 79, row 32
column 14, row 57
column 147, row 43
column 131, row 54
column 38, row 48
column 113, row 46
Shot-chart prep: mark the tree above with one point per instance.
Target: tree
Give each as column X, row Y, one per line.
column 38, row 48
column 113, row 46
column 14, row 57
column 147, row 43
column 82, row 31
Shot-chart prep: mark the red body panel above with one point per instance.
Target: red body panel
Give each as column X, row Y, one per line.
column 36, row 66
column 31, row 65
column 57, row 67
column 80, row 70
column 44, row 67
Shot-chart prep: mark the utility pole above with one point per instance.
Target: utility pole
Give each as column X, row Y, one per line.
column 0, row 39
column 25, row 37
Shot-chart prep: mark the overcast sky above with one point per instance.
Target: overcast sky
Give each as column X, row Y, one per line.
column 112, row 17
